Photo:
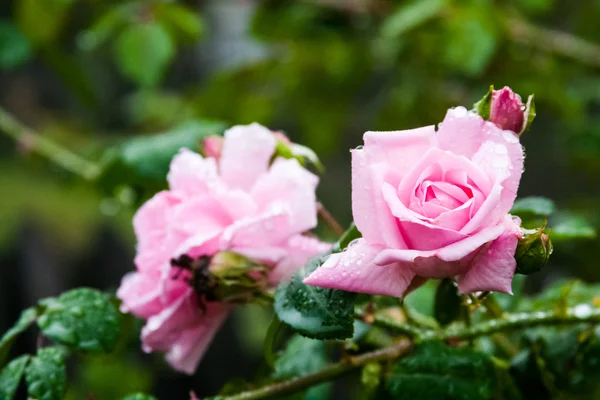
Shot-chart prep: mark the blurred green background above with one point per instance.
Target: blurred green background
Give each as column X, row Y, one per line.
column 89, row 73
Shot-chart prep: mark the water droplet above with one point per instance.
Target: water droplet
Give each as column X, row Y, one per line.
column 582, row 311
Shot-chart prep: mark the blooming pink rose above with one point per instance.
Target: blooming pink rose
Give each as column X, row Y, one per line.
column 243, row 203
column 431, row 204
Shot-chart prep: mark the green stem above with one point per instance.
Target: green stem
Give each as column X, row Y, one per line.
column 344, row 366
column 384, row 321
column 47, row 148
column 494, row 309
column 582, row 313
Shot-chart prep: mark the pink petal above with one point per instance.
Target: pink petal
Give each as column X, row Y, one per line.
column 501, row 156
column 298, row 250
column 190, row 173
column 494, row 266
column 247, row 151
column 353, row 270
column 140, row 294
column 151, row 221
column 266, row 229
column 371, row 214
column 188, row 349
column 489, row 212
column 418, row 234
column 288, row 183
column 465, row 133
column 441, row 262
column 399, row 149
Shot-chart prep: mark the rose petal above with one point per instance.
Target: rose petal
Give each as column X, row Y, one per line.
column 399, row 149
column 288, row 183
column 247, row 151
column 494, row 267
column 298, row 250
column 353, row 270
column 187, row 350
column 190, row 173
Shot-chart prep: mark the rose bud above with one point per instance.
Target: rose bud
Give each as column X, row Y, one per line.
column 533, row 251
column 506, row 109
column 212, row 146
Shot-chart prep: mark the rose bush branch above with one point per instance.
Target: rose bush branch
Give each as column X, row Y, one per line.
column 32, row 140
column 579, row 314
column 331, row 372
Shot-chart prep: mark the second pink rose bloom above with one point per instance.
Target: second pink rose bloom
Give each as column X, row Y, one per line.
column 432, row 204
column 247, row 201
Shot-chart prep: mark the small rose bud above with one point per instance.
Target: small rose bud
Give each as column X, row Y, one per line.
column 506, row 109
column 212, row 146
column 533, row 251
column 281, row 137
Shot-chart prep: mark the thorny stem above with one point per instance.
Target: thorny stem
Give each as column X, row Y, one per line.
column 32, row 140
column 329, row 220
column 340, row 368
column 582, row 313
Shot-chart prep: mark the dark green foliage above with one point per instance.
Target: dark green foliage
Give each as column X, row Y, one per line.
column 447, row 302
column 26, row 319
column 313, row 311
column 46, row 374
column 10, row 377
column 14, row 47
column 139, row 396
column 533, row 206
column 438, row 372
column 84, row 319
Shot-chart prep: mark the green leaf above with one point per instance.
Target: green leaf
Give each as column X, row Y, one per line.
column 139, row 396
column 474, row 34
column 315, row 312
column 14, row 46
column 447, row 306
column 85, row 319
column 572, row 227
column 10, row 377
column 46, row 375
column 180, row 19
column 149, row 156
column 533, row 206
column 410, row 15
column 483, row 107
column 26, row 319
column 301, row 357
column 143, row 52
column 435, row 371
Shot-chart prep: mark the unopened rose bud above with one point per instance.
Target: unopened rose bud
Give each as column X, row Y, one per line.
column 506, row 109
column 533, row 251
column 212, row 146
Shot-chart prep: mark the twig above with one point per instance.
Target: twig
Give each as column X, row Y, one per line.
column 55, row 153
column 344, row 366
column 329, row 220
column 582, row 313
column 562, row 43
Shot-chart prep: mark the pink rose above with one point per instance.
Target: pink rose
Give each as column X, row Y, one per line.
column 431, row 204
column 242, row 203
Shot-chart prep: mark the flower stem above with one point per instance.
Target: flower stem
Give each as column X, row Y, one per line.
column 340, row 368
column 329, row 220
column 582, row 313
column 47, row 148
